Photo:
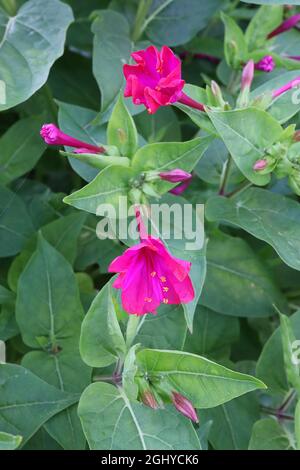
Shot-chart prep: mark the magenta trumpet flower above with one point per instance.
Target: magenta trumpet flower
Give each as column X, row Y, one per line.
column 155, row 80
column 266, row 64
column 285, row 26
column 150, row 276
column 184, row 406
column 52, row 135
column 288, row 86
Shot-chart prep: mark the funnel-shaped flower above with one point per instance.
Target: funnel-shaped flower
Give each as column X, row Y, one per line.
column 155, row 80
column 184, row 406
column 149, row 276
column 288, row 86
column 285, row 25
column 52, row 135
column 266, row 64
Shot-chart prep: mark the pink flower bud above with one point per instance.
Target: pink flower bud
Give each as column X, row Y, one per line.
column 285, row 26
column 247, row 75
column 292, row 84
column 175, row 176
column 180, row 188
column 260, row 165
column 52, row 135
column 266, row 64
column 149, row 400
column 297, row 136
column 184, row 406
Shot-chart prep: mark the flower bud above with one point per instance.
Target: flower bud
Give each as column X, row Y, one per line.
column 247, row 75
column 260, row 165
column 175, row 176
column 184, row 406
column 148, row 399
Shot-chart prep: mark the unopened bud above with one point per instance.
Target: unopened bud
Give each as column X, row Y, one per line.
column 148, row 399
column 175, row 176
column 247, row 75
column 260, row 165
column 184, row 406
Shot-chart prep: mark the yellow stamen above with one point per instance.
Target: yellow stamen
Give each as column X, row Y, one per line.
column 163, row 278
column 153, row 274
column 165, row 301
column 165, row 289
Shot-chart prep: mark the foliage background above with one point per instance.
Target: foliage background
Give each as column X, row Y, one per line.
column 62, row 63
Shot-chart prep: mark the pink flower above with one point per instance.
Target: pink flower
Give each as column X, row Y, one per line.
column 292, row 84
column 247, row 75
column 285, row 26
column 52, row 135
column 149, row 276
column 155, row 80
column 184, row 406
column 175, row 176
column 260, row 165
column 181, row 187
column 266, row 64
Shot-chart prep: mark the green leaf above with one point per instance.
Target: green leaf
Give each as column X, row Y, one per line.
column 15, row 224
column 129, row 371
column 268, row 216
column 272, row 2
column 285, row 106
column 27, row 402
column 6, row 296
column 9, row 442
column 168, row 155
column 8, row 324
column 121, row 130
column 272, row 353
column 235, row 45
column 21, row 148
column 268, row 434
column 212, row 333
column 23, row 71
column 265, row 20
column 174, row 22
column 111, row 421
column 102, row 342
column 202, row 381
column 97, row 161
column 200, row 118
column 56, row 300
column 232, row 423
column 106, row 188
column 163, row 126
column 234, row 272
column 247, row 133
column 112, row 48
column 288, row 339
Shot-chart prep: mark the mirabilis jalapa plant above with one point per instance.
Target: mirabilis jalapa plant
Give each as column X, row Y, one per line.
column 145, row 339
column 148, row 274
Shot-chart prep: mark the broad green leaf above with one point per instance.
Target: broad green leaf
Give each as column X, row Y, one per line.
column 6, row 296
column 200, row 118
column 232, row 423
column 272, row 2
column 235, row 45
column 39, row 26
column 55, row 300
column 235, row 272
column 163, row 126
column 106, row 188
column 297, row 424
column 8, row 324
column 121, row 130
column 205, row 383
column 15, row 224
column 9, row 442
column 78, row 122
column 288, row 340
column 247, row 133
column 111, row 421
column 272, row 353
column 263, row 22
column 21, row 148
column 102, row 342
column 174, row 22
column 166, row 156
column 268, row 216
column 42, row 441
column 268, row 434
column 285, row 106
column 129, row 371
column 212, row 333
column 112, row 48
column 27, row 402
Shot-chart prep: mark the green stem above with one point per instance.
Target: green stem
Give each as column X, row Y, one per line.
column 225, row 176
column 233, row 82
column 140, row 19
column 132, row 329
